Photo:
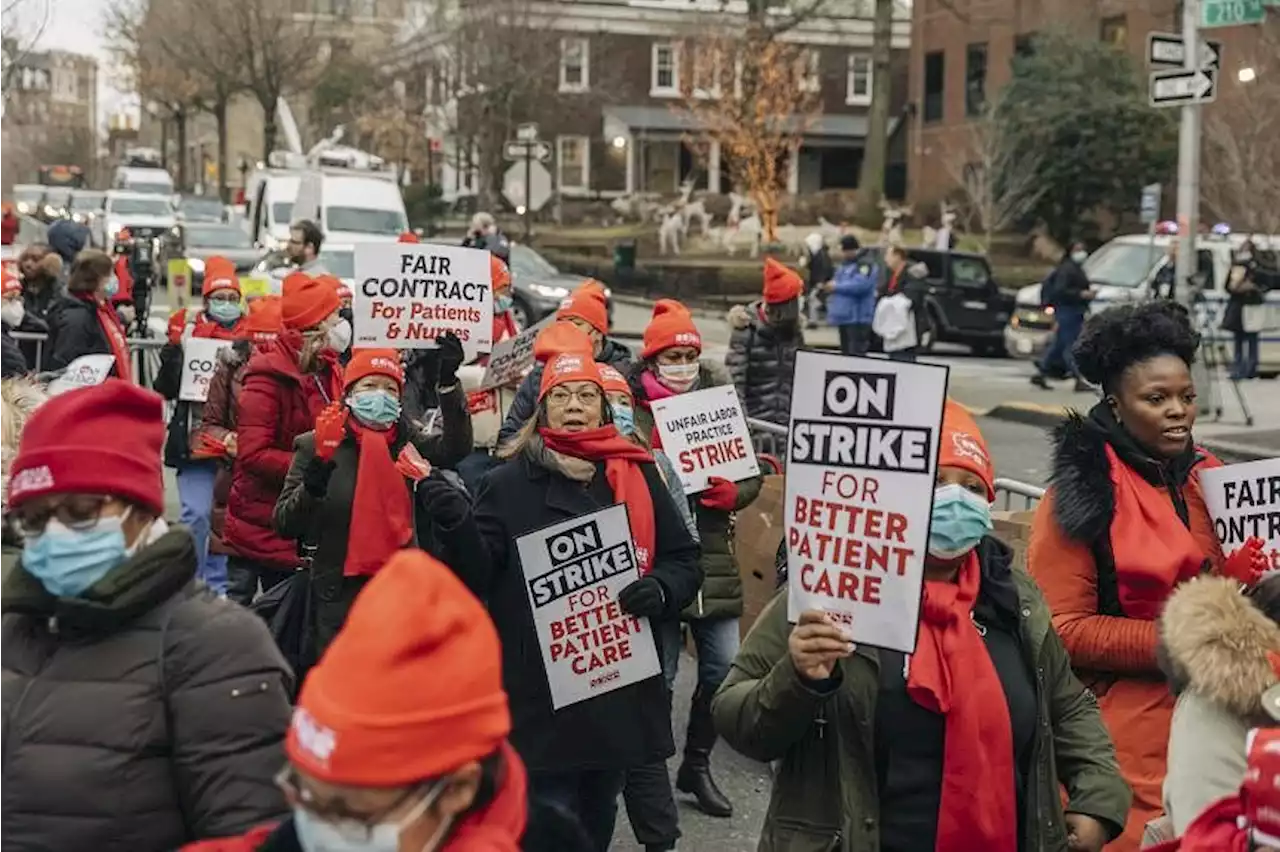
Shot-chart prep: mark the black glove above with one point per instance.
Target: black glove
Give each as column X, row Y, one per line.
column 316, row 477
column 450, row 348
column 645, row 598
column 447, row 507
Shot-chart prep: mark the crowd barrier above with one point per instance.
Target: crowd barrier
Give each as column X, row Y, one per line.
column 144, row 352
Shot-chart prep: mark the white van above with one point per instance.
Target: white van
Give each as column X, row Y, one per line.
column 151, row 181
column 271, row 193
column 351, row 206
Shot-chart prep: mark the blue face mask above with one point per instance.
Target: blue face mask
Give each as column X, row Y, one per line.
column 377, row 408
column 68, row 561
column 960, row 519
column 112, row 287
column 503, row 303
column 224, row 312
column 624, row 417
column 317, row 835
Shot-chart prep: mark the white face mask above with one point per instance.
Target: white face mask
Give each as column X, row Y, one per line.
column 678, row 377
column 12, row 313
column 340, row 336
column 1079, row 256
column 317, row 835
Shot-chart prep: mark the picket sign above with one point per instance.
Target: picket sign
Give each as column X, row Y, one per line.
column 513, row 357
column 408, row 294
column 861, row 464
column 704, row 433
column 199, row 363
column 256, row 286
column 84, row 372
column 573, row 572
column 1244, row 501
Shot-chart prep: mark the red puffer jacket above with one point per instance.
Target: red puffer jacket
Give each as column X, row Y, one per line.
column 277, row 404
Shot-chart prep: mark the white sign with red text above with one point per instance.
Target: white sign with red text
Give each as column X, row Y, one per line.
column 1244, row 501
column 199, row 363
column 704, row 433
column 512, row 358
column 861, row 462
column 408, row 294
column 84, row 372
column 573, row 572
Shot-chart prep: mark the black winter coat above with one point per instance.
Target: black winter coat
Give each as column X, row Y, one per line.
column 143, row 715
column 74, row 331
column 761, row 364
column 1069, row 282
column 624, row 728
column 526, row 401
column 12, row 361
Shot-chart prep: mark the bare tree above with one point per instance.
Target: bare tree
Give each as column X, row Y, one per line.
column 1000, row 183
column 23, row 23
column 876, row 151
column 277, row 54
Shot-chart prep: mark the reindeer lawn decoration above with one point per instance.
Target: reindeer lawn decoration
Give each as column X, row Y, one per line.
column 739, row 228
column 891, row 228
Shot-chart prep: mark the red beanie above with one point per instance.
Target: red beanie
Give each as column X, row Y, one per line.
column 587, row 303
column 614, row 382
column 373, row 362
column 560, row 336
column 219, row 274
column 105, row 439
column 780, row 283
column 408, row 237
column 263, row 319
column 411, row 687
column 672, row 325
column 307, row 301
column 962, row 445
column 499, row 272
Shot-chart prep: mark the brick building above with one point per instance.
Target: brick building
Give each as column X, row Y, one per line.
column 51, row 113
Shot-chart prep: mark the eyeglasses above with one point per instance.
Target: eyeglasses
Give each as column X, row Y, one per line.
column 353, row 826
column 588, row 396
column 228, row 296
column 80, row 512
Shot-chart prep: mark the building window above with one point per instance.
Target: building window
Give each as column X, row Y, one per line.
column 857, row 87
column 574, row 65
column 665, row 71
column 809, row 70
column 934, row 77
column 572, row 156
column 975, row 79
column 1115, row 31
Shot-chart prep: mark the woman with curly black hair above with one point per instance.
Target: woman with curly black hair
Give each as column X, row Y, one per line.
column 1124, row 522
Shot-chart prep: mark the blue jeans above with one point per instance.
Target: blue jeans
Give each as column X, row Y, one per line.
column 1070, row 322
column 590, row 795
column 716, row 641
column 195, row 492
column 1245, row 364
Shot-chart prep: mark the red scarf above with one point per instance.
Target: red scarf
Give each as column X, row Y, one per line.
column 1152, row 549
column 205, row 327
column 622, row 469
column 504, row 326
column 952, row 674
column 381, row 510
column 114, row 332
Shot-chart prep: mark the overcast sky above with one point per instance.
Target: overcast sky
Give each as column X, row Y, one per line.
column 78, row 26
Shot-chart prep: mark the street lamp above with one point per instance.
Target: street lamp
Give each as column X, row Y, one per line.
column 619, row 142
column 1246, row 75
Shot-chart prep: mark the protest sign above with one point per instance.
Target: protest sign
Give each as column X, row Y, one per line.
column 861, row 462
column 704, row 433
column 513, row 357
column 573, row 572
column 84, row 372
column 1244, row 500
column 178, row 283
column 199, row 361
column 408, row 294
column 256, row 286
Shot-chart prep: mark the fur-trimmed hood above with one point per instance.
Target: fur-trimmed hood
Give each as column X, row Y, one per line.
column 1214, row 641
column 742, row 316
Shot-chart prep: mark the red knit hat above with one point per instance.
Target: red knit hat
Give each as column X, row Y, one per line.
column 105, row 439
column 672, row 325
column 306, row 301
column 411, row 687
column 560, row 336
column 780, row 283
column 587, row 303
column 219, row 274
column 263, row 319
column 499, row 272
column 373, row 362
column 962, row 445
column 614, row 382
column 408, row 237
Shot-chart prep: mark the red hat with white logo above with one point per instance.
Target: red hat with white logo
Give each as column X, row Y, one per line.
column 614, row 382
column 962, row 446
column 573, row 364
column 219, row 274
column 373, row 362
column 672, row 325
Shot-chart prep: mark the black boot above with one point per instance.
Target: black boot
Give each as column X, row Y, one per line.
column 694, row 775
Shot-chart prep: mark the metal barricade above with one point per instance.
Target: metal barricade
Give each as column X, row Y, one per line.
column 769, row 438
column 144, row 352
column 1012, row 488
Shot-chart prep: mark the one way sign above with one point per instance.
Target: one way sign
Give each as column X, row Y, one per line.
column 1182, row 87
column 1169, row 49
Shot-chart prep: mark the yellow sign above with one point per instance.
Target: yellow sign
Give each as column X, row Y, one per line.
column 256, row 286
column 179, row 284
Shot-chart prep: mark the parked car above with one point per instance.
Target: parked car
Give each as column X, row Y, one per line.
column 28, row 197
column 56, row 204
column 198, row 241
column 86, row 207
column 964, row 303
column 200, row 208
column 538, row 287
column 144, row 214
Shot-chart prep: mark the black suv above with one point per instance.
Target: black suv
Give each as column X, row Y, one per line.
column 964, row 303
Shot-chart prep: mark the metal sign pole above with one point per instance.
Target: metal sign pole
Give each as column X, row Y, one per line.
column 528, row 192
column 1188, row 162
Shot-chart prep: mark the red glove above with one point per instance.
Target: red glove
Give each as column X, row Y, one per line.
column 1248, row 563
column 331, row 429
column 412, row 465
column 177, row 324
column 722, row 494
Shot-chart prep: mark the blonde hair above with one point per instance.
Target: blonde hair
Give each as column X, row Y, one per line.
column 18, row 399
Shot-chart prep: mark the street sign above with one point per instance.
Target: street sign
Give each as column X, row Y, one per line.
column 1168, row 49
column 516, row 151
column 527, row 132
column 1150, row 205
column 1183, row 87
column 513, row 184
column 1231, row 13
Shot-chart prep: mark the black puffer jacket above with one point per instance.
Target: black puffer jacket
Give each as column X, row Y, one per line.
column 143, row 715
column 74, row 330
column 761, row 364
column 526, row 401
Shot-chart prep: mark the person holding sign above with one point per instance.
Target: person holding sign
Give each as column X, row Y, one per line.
column 1123, row 524
column 361, row 486
column 957, row 747
column 566, row 462
column 671, row 364
column 196, row 467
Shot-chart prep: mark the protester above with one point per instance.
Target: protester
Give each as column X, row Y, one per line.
column 399, row 740
column 818, row 270
column 1220, row 652
column 851, row 300
column 41, row 271
column 567, row 461
column 763, row 340
column 82, row 322
column 67, row 239
column 9, row 225
column 361, row 486
column 1067, row 290
column 303, row 248
column 141, row 712
column 960, row 746
column 1245, row 313
column 217, row 434
column 586, row 308
column 901, row 306
column 1123, row 524
column 1164, row 284
column 13, row 317
column 670, row 365
column 196, row 467
column 287, row 382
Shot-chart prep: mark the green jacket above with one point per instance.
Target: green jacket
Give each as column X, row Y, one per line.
column 825, row 789
column 721, row 593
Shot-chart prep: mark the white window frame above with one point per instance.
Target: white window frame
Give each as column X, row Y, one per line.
column 583, row 84
column 811, row 76
column 585, row 143
column 851, row 96
column 655, row 90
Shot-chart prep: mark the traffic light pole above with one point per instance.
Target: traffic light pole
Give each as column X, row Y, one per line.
column 1188, row 162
